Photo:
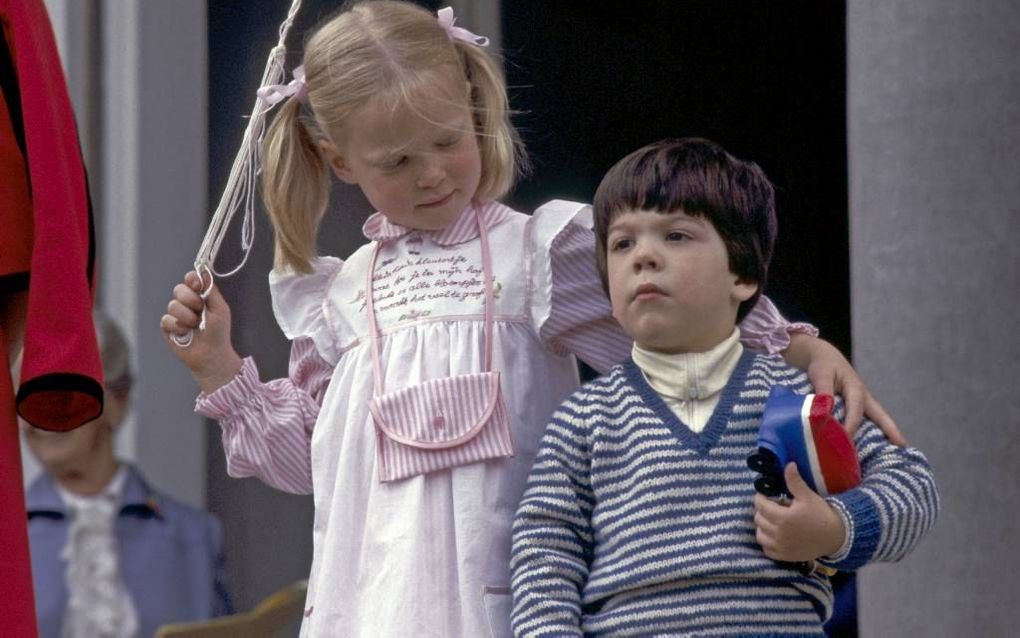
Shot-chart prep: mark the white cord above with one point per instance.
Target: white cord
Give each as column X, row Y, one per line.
column 242, row 183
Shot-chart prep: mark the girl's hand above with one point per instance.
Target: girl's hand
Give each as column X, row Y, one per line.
column 803, row 530
column 210, row 356
column 831, row 373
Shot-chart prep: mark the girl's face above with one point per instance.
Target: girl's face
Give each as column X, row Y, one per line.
column 419, row 165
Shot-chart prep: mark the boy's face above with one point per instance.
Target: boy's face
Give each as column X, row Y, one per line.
column 670, row 282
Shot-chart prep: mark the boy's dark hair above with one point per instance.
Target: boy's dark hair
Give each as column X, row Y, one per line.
column 698, row 177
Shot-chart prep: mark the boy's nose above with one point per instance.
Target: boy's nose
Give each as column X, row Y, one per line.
column 645, row 258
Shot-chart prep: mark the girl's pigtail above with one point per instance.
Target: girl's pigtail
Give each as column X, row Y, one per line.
column 295, row 186
column 501, row 148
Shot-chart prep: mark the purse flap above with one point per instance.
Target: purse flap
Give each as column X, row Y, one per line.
column 440, row 413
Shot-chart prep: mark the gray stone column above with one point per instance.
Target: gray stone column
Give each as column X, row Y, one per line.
column 934, row 143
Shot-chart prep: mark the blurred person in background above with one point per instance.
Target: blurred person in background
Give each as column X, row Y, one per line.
column 111, row 556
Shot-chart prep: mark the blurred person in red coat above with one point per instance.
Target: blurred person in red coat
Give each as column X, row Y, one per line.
column 47, row 276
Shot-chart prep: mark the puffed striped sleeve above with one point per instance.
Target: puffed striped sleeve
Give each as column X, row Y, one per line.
column 552, row 534
column 569, row 307
column 766, row 330
column 267, row 427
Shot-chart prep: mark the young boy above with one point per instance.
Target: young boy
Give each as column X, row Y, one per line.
column 640, row 516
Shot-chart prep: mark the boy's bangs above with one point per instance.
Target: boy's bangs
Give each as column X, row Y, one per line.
column 651, row 184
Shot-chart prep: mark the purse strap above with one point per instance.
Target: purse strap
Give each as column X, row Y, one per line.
column 483, row 234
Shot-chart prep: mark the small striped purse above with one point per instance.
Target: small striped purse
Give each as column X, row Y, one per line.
column 441, row 423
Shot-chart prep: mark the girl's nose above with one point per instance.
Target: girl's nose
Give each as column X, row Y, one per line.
column 431, row 175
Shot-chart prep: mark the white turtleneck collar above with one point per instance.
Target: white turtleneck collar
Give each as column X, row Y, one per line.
column 691, row 383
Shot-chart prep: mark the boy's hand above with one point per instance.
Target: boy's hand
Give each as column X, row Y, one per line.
column 831, row 373
column 210, row 357
column 804, row 529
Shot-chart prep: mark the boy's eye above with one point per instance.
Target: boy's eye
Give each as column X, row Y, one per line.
column 677, row 235
column 621, row 244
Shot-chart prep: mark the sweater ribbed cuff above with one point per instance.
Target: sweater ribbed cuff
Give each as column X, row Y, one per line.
column 848, row 537
column 865, row 529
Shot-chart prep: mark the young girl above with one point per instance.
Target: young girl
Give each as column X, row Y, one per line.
column 424, row 367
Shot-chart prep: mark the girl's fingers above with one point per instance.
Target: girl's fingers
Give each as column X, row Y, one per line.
column 215, row 300
column 169, row 325
column 184, row 317
column 188, row 297
column 824, row 382
column 877, row 413
column 194, row 281
column 853, row 398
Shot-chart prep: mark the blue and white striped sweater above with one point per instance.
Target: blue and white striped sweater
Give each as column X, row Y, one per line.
column 632, row 524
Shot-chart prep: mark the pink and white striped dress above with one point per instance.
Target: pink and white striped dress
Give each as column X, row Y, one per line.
column 426, row 555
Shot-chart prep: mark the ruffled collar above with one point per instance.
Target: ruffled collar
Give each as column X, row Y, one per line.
column 463, row 229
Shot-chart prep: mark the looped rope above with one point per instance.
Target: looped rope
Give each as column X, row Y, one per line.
column 239, row 192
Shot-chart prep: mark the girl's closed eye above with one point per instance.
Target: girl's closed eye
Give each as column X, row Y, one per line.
column 393, row 163
column 449, row 142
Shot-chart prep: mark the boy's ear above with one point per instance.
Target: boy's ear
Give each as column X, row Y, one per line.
column 336, row 162
column 743, row 289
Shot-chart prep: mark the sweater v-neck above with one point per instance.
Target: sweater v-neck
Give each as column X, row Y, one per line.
column 707, row 438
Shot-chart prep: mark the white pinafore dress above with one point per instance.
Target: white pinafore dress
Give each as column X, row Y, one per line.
column 426, row 554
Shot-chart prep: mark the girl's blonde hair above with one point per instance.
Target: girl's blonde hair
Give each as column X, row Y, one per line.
column 372, row 50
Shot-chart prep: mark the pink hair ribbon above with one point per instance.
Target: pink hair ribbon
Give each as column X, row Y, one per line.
column 446, row 20
column 273, row 94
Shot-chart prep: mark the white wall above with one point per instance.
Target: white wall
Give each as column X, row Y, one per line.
column 934, row 139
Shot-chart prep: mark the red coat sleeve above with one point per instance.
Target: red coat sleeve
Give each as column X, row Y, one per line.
column 61, row 375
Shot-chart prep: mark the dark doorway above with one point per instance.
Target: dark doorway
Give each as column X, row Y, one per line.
column 767, row 80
